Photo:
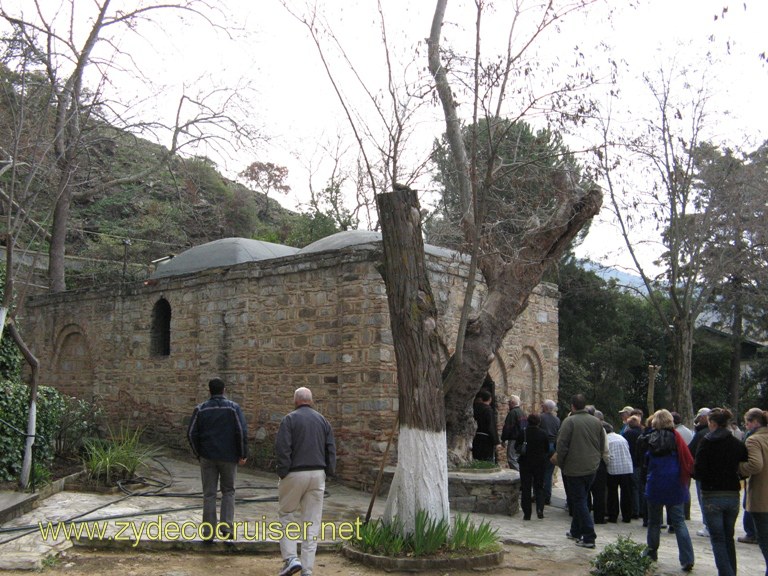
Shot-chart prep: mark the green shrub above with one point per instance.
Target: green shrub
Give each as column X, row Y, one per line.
column 41, row 476
column 117, row 457
column 79, row 421
column 429, row 537
column 625, row 557
column 14, row 409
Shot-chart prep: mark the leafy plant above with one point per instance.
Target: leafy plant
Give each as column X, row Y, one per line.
column 429, row 534
column 79, row 420
column 41, row 475
column 14, row 408
column 467, row 535
column 429, row 537
column 625, row 557
column 117, row 457
column 379, row 538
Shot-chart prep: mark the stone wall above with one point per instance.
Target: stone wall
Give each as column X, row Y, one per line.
column 318, row 320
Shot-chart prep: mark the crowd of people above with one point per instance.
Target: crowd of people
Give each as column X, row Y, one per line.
column 643, row 472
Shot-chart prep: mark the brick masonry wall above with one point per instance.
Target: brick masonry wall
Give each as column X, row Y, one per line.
column 318, row 320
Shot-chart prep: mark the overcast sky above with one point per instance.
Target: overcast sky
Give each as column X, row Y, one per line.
column 294, row 103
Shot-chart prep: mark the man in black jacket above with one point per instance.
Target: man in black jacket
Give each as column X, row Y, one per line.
column 219, row 438
column 701, row 429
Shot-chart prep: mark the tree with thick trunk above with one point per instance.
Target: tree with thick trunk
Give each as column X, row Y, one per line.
column 45, row 44
column 421, row 477
column 534, row 234
column 701, row 205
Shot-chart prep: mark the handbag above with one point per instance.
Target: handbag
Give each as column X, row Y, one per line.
column 524, row 446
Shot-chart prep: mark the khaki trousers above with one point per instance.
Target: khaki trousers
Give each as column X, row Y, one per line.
column 300, row 497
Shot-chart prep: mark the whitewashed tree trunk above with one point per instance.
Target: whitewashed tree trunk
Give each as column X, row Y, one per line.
column 34, row 366
column 3, row 314
column 421, row 477
column 26, row 464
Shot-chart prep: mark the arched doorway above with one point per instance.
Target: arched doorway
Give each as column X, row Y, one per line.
column 73, row 366
column 526, row 379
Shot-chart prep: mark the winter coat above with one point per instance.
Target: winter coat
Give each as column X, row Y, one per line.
column 756, row 467
column 486, row 421
column 305, row 442
column 717, row 461
column 217, row 430
column 580, row 444
column 537, row 449
column 666, row 482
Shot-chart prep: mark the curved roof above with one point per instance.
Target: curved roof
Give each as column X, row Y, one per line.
column 364, row 237
column 342, row 240
column 224, row 252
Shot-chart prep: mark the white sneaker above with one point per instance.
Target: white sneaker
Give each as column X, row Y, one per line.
column 703, row 532
column 291, row 566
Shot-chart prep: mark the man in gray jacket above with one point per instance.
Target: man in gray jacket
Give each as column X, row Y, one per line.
column 305, row 452
column 580, row 446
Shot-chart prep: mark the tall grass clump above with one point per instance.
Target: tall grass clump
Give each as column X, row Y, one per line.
column 116, row 458
column 430, row 537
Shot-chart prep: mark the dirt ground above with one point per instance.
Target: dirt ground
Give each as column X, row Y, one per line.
column 86, row 562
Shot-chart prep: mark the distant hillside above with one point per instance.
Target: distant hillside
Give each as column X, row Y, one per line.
column 124, row 226
column 623, row 279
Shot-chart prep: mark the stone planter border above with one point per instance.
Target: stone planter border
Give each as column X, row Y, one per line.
column 410, row 564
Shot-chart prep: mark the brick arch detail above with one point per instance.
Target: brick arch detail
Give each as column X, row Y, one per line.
column 526, row 377
column 73, row 361
column 499, row 371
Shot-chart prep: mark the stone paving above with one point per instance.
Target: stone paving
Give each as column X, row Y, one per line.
column 23, row 545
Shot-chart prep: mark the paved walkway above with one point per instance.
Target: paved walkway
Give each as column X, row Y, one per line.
column 155, row 512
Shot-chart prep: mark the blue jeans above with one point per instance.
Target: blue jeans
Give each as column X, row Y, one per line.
column 549, row 470
column 577, row 491
column 720, row 511
column 676, row 519
column 701, row 504
column 760, row 521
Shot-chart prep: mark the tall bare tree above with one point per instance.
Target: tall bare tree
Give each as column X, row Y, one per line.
column 57, row 67
column 667, row 212
column 511, row 247
column 79, row 65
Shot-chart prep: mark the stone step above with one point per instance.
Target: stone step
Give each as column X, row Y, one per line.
column 15, row 504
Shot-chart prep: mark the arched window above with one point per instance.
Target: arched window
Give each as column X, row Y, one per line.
column 160, row 341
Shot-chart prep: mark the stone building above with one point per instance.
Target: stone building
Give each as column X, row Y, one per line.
column 267, row 319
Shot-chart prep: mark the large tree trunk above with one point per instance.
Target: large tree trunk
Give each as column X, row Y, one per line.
column 510, row 274
column 510, row 283
column 421, row 476
column 737, row 335
column 680, row 367
column 57, row 249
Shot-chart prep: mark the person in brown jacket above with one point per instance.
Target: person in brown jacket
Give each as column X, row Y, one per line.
column 756, row 467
